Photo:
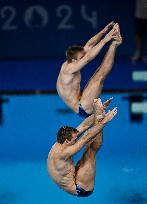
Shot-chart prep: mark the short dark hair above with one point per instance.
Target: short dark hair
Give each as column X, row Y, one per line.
column 71, row 52
column 64, row 133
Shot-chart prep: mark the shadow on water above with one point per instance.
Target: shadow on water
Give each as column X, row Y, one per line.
column 134, row 198
column 64, row 111
column 129, row 197
column 7, row 197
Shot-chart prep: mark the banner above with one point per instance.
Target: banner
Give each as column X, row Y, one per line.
column 43, row 28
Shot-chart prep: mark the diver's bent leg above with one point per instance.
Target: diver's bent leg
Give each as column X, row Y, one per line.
column 94, row 87
column 86, row 166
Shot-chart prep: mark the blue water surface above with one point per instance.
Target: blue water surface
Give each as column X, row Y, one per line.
column 28, row 131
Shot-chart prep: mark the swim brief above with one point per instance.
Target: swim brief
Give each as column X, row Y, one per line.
column 81, row 192
column 82, row 113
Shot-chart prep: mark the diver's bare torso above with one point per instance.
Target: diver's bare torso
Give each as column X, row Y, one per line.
column 61, row 170
column 68, row 87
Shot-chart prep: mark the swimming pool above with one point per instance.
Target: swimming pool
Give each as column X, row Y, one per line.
column 28, row 132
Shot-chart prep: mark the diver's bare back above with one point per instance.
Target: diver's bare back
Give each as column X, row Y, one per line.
column 68, row 86
column 61, row 170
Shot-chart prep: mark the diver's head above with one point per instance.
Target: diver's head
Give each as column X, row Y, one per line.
column 67, row 134
column 74, row 53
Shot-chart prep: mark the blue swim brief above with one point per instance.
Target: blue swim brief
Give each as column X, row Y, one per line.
column 81, row 192
column 82, row 113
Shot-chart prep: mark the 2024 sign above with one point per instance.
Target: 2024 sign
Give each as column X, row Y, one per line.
column 38, row 16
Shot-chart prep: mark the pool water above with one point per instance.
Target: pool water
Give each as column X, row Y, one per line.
column 27, row 134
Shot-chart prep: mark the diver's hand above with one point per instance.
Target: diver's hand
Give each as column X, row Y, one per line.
column 110, row 115
column 111, row 34
column 107, row 103
column 107, row 27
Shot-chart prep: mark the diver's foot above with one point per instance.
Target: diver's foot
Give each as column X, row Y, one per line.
column 98, row 109
column 117, row 40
